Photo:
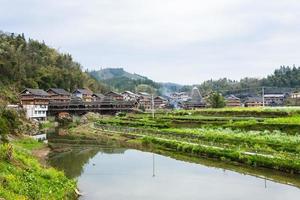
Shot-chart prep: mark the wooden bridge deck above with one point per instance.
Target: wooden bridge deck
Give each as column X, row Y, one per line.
column 99, row 107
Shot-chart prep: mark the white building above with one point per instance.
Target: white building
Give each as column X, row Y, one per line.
column 35, row 102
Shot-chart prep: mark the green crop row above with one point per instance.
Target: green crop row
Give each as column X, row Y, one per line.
column 279, row 162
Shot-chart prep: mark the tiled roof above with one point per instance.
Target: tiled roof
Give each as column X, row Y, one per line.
column 113, row 93
column 83, row 91
column 36, row 92
column 98, row 95
column 59, row 91
column 129, row 92
column 160, row 97
column 253, row 99
column 232, row 97
column 144, row 93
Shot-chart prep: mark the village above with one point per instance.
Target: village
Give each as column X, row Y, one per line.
column 38, row 103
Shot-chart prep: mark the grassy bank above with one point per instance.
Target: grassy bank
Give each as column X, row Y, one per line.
column 23, row 177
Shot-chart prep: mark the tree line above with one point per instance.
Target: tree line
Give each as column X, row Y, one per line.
column 31, row 63
column 284, row 79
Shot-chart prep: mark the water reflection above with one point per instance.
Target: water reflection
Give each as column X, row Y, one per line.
column 116, row 173
column 73, row 161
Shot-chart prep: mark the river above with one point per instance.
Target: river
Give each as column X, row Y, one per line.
column 127, row 174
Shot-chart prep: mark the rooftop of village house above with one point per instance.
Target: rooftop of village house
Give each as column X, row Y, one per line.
column 36, row 92
column 58, row 91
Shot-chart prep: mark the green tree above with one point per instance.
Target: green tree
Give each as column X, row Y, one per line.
column 145, row 88
column 216, row 100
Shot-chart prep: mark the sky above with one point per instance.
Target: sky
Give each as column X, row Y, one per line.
column 181, row 41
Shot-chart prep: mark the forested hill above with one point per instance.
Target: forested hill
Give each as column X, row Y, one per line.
column 285, row 76
column 121, row 80
column 283, row 79
column 30, row 63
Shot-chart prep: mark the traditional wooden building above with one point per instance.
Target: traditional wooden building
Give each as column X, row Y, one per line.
column 145, row 101
column 274, row 99
column 160, row 102
column 130, row 96
column 35, row 102
column 253, row 102
column 114, row 95
column 295, row 95
column 59, row 95
column 293, row 99
column 98, row 96
column 233, row 101
column 84, row 94
column 196, row 100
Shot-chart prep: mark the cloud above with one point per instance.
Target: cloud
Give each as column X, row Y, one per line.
column 195, row 38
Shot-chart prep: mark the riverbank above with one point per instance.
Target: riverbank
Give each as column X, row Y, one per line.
column 24, row 177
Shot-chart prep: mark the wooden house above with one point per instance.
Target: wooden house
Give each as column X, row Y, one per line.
column 98, row 96
column 233, row 101
column 115, row 96
column 274, row 99
column 145, row 101
column 130, row 96
column 160, row 102
column 84, row 94
column 295, row 95
column 59, row 95
column 253, row 102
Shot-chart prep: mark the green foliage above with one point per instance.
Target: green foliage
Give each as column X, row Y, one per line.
column 216, row 100
column 145, row 88
column 275, row 148
column 24, row 178
column 28, row 144
column 285, row 76
column 12, row 118
column 9, row 122
column 30, row 63
column 121, row 80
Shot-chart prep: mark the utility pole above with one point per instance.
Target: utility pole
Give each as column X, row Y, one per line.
column 153, row 166
column 265, row 183
column 152, row 107
column 263, row 96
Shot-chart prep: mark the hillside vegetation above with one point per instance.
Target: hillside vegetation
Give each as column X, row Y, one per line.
column 121, row 80
column 30, row 63
column 283, row 79
column 22, row 177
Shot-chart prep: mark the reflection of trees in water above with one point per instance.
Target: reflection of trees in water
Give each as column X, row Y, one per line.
column 72, row 162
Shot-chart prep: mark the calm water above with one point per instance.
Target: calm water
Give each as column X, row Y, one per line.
column 126, row 174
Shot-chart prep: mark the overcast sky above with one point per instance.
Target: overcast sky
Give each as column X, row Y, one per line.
column 182, row 41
